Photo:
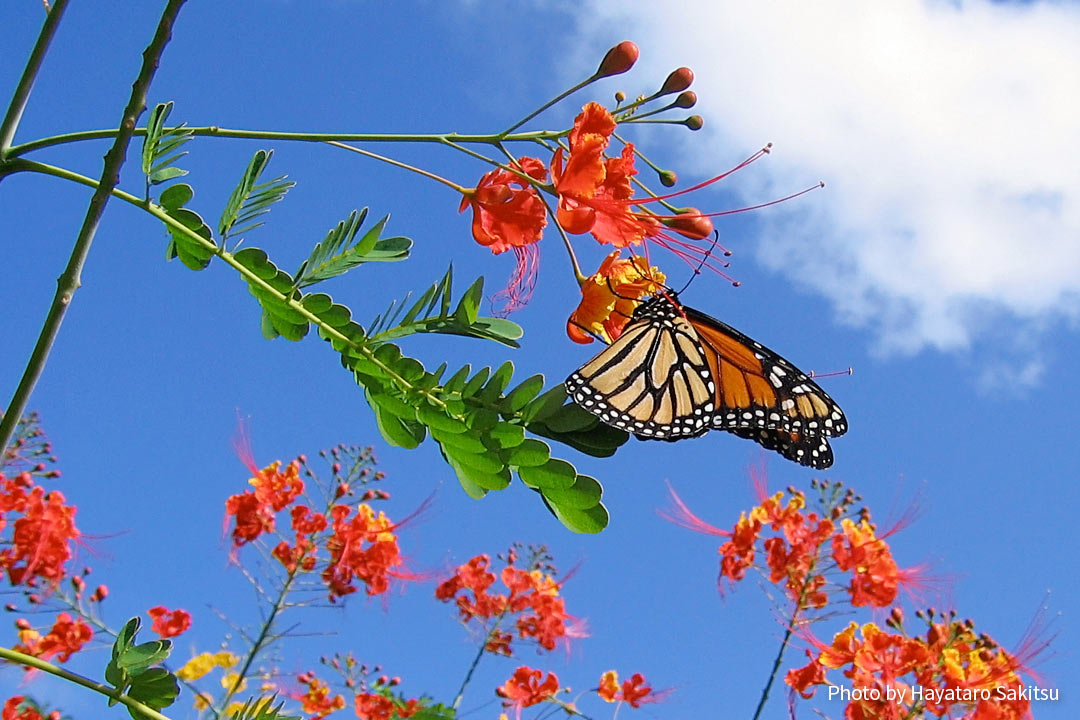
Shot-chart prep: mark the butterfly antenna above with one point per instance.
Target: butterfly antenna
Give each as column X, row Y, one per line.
column 704, row 260
column 812, row 374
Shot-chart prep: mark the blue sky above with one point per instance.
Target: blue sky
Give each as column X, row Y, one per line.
column 941, row 262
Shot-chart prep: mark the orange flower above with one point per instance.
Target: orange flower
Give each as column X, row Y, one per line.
column 317, row 700
column 19, row 708
column 40, row 543
column 633, row 691
column 524, row 688
column 507, row 211
column 594, row 191
column 534, row 597
column 609, row 297
column 66, row 637
column 875, row 575
column 169, row 623
column 364, row 548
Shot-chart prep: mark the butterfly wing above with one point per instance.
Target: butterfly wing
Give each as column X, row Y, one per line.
column 810, row 450
column 758, row 389
column 653, row 381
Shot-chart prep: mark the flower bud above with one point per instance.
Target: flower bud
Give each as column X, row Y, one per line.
column 618, row 60
column 694, row 122
column 668, row 178
column 691, row 223
column 22, row 624
column 620, row 96
column 686, row 99
column 342, row 490
column 677, row 81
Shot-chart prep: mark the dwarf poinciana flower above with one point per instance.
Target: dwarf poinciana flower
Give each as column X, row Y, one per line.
column 66, row 637
column 317, row 701
column 534, row 598
column 19, row 708
column 609, row 297
column 169, row 623
column 958, row 673
column 254, row 511
column 373, row 706
column 508, row 214
column 525, row 689
column 633, row 691
column 201, row 665
column 42, row 537
column 797, row 542
column 363, row 547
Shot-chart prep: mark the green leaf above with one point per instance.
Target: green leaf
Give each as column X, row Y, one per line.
column 552, row 474
column 571, row 418
column 397, row 431
column 262, row 709
column 463, row 473
column 507, row 435
column 483, row 471
column 468, row 307
column 520, row 396
column 589, row 521
column 192, row 253
column 251, row 199
column 340, row 251
column 545, row 405
column 476, row 382
column 463, row 442
column 161, row 146
column 530, row 453
column 175, row 197
column 498, row 382
column 435, row 417
column 156, row 687
column 582, row 495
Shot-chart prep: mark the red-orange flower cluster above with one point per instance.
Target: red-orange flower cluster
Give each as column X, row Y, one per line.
column 376, row 706
column 169, row 623
column 42, row 534
column 317, row 700
column 364, row 548
column 533, row 598
column 19, row 708
column 525, row 689
column 802, row 542
column 66, row 637
column 255, row 510
column 633, row 691
column 950, row 671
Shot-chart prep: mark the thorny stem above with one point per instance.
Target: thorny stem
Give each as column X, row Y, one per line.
column 29, row 660
column 70, row 279
column 26, row 83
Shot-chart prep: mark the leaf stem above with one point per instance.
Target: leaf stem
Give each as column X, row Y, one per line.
column 71, row 278
column 19, row 658
column 398, row 163
column 26, row 83
column 476, row 660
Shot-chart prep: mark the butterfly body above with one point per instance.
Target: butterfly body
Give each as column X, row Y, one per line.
column 676, row 373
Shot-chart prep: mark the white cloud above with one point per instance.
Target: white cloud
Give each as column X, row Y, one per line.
column 949, row 135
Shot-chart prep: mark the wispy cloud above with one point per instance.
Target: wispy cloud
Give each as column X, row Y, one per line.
column 949, row 134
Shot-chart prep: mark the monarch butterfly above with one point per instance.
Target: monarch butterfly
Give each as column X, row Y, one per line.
column 676, row 373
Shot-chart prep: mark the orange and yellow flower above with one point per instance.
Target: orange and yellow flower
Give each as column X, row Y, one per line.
column 609, row 297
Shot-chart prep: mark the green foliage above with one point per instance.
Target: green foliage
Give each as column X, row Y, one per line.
column 421, row 317
column 487, row 427
column 250, row 198
column 161, row 147
column 338, row 253
column 131, row 670
column 262, row 709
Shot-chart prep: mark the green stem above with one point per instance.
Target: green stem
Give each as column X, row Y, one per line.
column 787, row 634
column 476, row 660
column 215, row 131
column 398, row 163
column 71, row 278
column 26, row 83
column 558, row 98
column 29, row 660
